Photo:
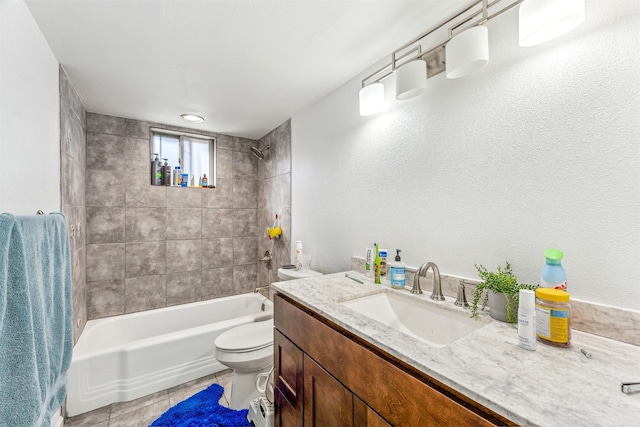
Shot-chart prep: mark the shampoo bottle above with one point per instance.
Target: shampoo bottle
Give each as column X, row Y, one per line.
column 156, row 171
column 397, row 272
column 166, row 173
column 527, row 319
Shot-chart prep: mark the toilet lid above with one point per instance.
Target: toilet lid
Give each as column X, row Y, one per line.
column 247, row 337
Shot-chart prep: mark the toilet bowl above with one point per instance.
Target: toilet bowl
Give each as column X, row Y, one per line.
column 248, row 350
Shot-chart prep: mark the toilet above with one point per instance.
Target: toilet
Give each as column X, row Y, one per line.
column 248, row 350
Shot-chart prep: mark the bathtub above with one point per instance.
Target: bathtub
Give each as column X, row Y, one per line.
column 122, row 358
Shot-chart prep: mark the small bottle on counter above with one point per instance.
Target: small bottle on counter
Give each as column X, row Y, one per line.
column 553, row 317
column 298, row 257
column 553, row 275
column 527, row 319
column 397, row 272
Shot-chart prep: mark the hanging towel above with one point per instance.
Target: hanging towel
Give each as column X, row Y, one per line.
column 35, row 318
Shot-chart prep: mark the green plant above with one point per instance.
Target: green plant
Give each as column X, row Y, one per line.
column 501, row 281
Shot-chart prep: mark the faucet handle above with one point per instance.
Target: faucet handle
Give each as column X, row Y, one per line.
column 461, row 300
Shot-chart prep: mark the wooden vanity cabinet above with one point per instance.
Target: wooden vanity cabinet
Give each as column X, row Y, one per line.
column 326, row 376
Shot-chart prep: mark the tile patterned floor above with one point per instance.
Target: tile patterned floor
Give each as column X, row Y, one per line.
column 142, row 412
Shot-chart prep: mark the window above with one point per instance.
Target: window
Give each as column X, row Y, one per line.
column 195, row 154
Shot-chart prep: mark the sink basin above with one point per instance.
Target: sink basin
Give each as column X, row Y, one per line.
column 426, row 320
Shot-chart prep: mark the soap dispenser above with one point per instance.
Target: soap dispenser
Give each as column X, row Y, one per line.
column 398, row 272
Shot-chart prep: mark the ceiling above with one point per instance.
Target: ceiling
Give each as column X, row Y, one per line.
column 246, row 66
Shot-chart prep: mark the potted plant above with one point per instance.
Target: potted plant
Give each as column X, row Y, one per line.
column 502, row 292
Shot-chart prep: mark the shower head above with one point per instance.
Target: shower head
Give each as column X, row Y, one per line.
column 259, row 153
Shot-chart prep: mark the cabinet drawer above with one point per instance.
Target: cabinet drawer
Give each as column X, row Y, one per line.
column 400, row 397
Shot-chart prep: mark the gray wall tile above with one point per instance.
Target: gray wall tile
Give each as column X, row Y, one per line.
column 105, row 225
column 184, row 223
column 145, row 293
column 245, row 222
column 217, row 252
column 243, row 144
column 137, row 128
column 73, row 181
column 105, row 188
column 245, row 250
column 245, row 194
column 70, row 96
column 283, row 163
column 145, row 259
column 224, row 164
column 72, row 133
column 145, row 195
column 178, row 197
column 137, row 161
column 224, row 142
column 219, row 197
column 145, row 224
column 105, row 261
column 217, row 223
column 217, row 282
column 184, row 255
column 245, row 166
column 105, row 152
column 100, row 123
column 281, row 191
column 245, row 278
column 183, row 287
column 105, row 298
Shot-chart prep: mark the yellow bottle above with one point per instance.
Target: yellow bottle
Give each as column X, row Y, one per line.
column 376, row 267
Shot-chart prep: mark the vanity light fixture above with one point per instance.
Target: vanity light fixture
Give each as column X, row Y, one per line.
column 371, row 99
column 543, row 20
column 466, row 49
column 192, row 118
column 411, row 79
column 467, row 52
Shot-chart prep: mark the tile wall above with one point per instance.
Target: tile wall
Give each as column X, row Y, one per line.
column 274, row 173
column 150, row 247
column 73, row 164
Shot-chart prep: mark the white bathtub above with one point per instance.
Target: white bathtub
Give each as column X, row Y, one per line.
column 122, row 358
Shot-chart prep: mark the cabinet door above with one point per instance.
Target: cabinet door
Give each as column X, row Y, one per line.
column 326, row 401
column 363, row 416
column 286, row 415
column 289, row 384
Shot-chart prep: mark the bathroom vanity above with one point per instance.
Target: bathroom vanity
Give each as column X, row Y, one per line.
column 325, row 376
column 335, row 366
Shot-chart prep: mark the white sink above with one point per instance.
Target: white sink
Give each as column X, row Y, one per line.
column 429, row 321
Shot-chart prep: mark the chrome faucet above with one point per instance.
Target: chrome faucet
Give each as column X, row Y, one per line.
column 437, row 287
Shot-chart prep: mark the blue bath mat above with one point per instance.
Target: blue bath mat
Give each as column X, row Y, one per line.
column 203, row 410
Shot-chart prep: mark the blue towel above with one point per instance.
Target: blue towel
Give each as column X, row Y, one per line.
column 35, row 318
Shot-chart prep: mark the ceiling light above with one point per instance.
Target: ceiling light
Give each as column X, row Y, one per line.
column 192, row 118
column 411, row 79
column 467, row 52
column 543, row 20
column 371, row 99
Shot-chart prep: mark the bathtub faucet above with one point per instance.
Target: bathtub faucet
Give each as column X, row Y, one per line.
column 262, row 288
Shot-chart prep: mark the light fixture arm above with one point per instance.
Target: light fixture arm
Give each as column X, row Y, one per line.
column 463, row 19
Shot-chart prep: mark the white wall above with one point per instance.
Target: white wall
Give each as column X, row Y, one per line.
column 539, row 149
column 29, row 115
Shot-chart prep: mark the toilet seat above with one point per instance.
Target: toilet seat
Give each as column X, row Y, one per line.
column 246, row 338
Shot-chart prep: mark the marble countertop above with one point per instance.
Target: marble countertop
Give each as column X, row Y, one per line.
column 547, row 387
